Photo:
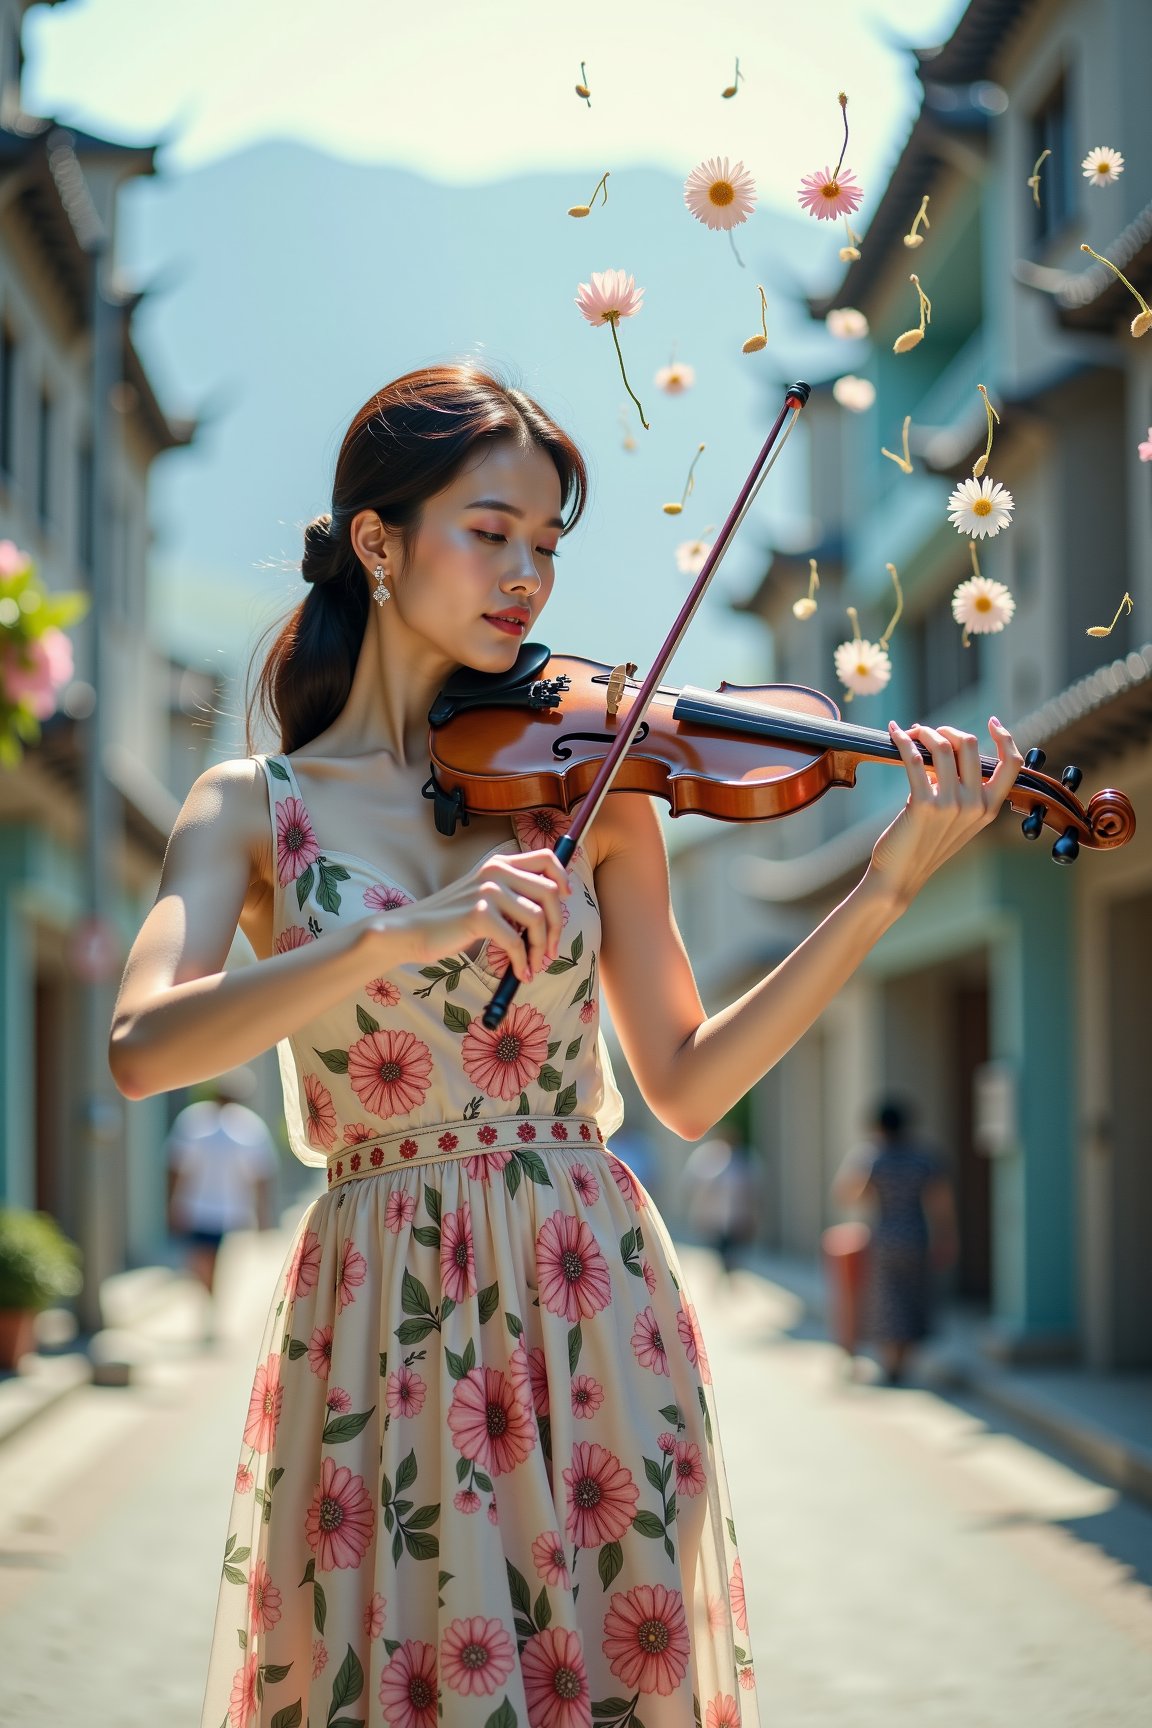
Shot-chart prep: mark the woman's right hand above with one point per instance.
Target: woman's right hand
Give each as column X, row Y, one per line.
column 514, row 901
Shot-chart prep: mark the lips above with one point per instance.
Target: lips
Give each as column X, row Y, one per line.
column 514, row 617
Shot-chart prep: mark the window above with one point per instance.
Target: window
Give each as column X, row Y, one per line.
column 944, row 667
column 7, row 400
column 44, row 421
column 1052, row 130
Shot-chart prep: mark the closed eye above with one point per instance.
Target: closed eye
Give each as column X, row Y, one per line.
column 499, row 539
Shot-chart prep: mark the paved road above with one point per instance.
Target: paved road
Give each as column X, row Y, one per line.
column 908, row 1559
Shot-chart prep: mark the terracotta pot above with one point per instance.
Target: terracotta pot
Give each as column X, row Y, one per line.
column 17, row 1335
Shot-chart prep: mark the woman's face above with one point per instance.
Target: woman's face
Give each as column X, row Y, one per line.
column 480, row 566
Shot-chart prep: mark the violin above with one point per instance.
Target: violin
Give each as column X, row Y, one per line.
column 537, row 735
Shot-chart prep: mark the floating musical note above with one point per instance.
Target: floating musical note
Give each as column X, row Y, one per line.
column 582, row 88
column 981, row 462
column 1107, row 629
column 755, row 343
column 805, row 607
column 909, row 338
column 675, row 509
column 738, row 79
column 601, row 186
column 1034, row 177
column 913, row 238
column 904, row 463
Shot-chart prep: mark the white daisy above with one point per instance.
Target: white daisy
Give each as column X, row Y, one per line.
column 858, row 394
column 846, row 322
column 980, row 507
column 675, row 379
column 690, row 556
column 863, row 667
column 1102, row 165
column 982, row 606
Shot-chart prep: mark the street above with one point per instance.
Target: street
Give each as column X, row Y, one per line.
column 908, row 1558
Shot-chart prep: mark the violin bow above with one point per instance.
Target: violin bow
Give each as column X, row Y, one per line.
column 795, row 397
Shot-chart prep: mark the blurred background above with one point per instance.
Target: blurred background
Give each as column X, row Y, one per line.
column 223, row 226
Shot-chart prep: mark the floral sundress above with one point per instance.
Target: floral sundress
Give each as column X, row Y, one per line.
column 480, row 1481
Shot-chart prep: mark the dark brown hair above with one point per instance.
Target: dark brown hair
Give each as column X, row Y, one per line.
column 405, row 445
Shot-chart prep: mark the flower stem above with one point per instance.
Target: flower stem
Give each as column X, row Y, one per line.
column 624, row 375
column 1107, row 261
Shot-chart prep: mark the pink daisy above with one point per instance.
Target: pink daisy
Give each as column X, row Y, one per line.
column 320, row 1126
column 587, row 1396
column 538, row 1380
column 647, row 1344
column 340, row 1521
column 383, row 990
column 338, row 1401
column 304, row 1266
column 384, row 897
column 242, row 1701
column 264, row 1600
column 536, row 829
column 602, row 1496
column 649, row 1275
column 374, row 1616
column 688, row 1476
column 585, row 1184
column 736, row 1596
column 390, row 1072
column 296, row 845
column 718, row 195
column 722, row 1712
column 319, row 1657
column 549, row 1558
column 611, row 295
column 572, row 1273
column 626, row 1182
column 746, row 1677
column 688, row 1326
column 320, row 1351
column 405, row 1392
column 829, row 195
column 409, row 1692
column 244, row 1479
column 646, row 1638
column 467, row 1500
column 476, row 1656
column 293, row 936
column 356, row 1133
column 399, row 1209
column 264, row 1406
column 555, row 1680
column 483, row 1165
column 353, row 1271
column 488, row 1422
column 503, row 1060
column 457, row 1261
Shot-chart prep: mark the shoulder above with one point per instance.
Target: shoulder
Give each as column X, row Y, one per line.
column 628, row 825
column 233, row 798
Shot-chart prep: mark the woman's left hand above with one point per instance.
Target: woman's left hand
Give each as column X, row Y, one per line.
column 949, row 803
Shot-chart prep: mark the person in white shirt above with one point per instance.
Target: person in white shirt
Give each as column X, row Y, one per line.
column 221, row 1162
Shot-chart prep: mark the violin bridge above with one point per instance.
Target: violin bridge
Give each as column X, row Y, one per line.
column 616, row 682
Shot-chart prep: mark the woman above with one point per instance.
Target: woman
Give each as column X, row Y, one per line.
column 481, row 1471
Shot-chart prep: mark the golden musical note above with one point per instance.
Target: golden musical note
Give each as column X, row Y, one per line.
column 904, row 463
column 912, row 238
column 582, row 88
column 584, row 209
column 1107, row 629
column 981, row 462
column 852, row 250
column 1034, row 177
column 895, row 618
column 731, row 89
column 805, row 607
column 1142, row 322
column 755, row 343
column 909, row 338
column 675, row 509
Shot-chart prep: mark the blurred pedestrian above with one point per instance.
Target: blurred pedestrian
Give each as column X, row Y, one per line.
column 720, row 1194
column 903, row 1185
column 221, row 1162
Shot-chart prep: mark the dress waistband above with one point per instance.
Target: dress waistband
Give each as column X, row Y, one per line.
column 501, row 1139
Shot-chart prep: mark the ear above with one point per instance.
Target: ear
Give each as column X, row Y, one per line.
column 374, row 543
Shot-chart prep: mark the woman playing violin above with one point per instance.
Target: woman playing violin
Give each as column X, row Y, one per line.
column 480, row 1469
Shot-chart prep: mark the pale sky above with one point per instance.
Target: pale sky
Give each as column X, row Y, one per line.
column 470, row 90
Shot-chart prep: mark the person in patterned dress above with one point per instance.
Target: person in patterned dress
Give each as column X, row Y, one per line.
column 480, row 1478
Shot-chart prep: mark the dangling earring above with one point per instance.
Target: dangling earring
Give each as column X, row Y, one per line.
column 380, row 593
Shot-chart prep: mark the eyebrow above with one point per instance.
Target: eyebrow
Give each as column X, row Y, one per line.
column 509, row 509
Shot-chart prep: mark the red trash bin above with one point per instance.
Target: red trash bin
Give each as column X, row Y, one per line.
column 845, row 1249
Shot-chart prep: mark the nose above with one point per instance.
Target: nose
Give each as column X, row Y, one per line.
column 525, row 580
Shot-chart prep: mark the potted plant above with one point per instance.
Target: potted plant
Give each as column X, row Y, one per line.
column 38, row 1266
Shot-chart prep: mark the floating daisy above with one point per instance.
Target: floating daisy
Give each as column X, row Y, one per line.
column 675, row 379
column 846, row 322
column 980, row 507
column 862, row 667
column 858, row 394
column 1102, row 165
column 982, row 606
column 690, row 556
column 1144, row 451
column 610, row 296
column 718, row 195
column 829, row 195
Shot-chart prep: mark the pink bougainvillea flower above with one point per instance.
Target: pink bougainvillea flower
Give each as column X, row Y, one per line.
column 829, row 195
column 13, row 562
column 719, row 195
column 610, row 296
column 646, row 1638
column 457, row 1262
column 406, row 1392
column 341, row 1519
column 320, row 1125
column 549, row 1558
column 476, row 1656
column 353, row 1271
column 264, row 1406
column 647, row 1344
column 573, row 1274
column 1144, row 450
column 296, row 844
column 489, row 1424
column 602, row 1496
column 33, row 673
column 555, row 1680
column 390, row 1072
column 409, row 1689
column 503, row 1060
column 264, row 1600
column 399, row 1209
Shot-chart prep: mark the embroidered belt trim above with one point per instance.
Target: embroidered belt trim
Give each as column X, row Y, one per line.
column 463, row 1139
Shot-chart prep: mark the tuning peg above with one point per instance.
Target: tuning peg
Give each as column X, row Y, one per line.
column 1035, row 758
column 1033, row 824
column 1071, row 778
column 1067, row 849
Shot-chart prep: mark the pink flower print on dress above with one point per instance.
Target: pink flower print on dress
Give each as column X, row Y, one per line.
column 353, row 1271
column 476, row 1656
column 736, row 1596
column 383, row 990
column 649, row 1275
column 320, row 1352
column 585, row 1184
column 406, row 1392
column 587, row 1396
column 242, row 1702
column 293, row 936
column 244, row 1479
column 493, row 1514
column 666, row 1441
column 537, row 1379
column 319, row 1657
column 304, row 1266
column 503, row 1060
column 385, row 897
column 717, row 1614
column 688, row 1326
column 587, row 1011
column 489, row 1424
column 602, row 1496
column 555, row 1680
column 646, row 1638
column 264, row 1406
column 494, row 959
column 320, row 1122
column 374, row 1616
column 409, row 1691
column 647, row 1343
column 688, row 1476
column 746, row 1677
column 340, row 1521
column 457, row 1261
column 296, row 845
column 338, row 1401
column 626, row 1182
column 264, row 1600
column 399, row 1209
column 467, row 1501
column 573, row 1274
column 481, row 1166
column 355, row 1133
column 722, row 1712
column 549, row 1558
column 538, row 830
column 390, row 1072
